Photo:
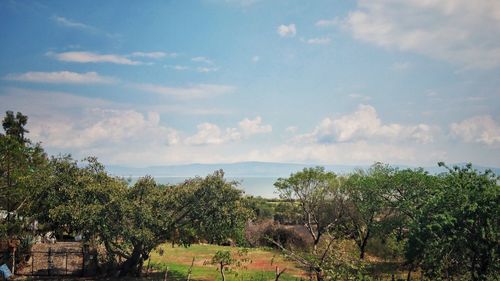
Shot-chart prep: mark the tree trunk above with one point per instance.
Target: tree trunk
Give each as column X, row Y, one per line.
column 134, row 263
column 319, row 274
column 408, row 277
column 362, row 247
column 222, row 272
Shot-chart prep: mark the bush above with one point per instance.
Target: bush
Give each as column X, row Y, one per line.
column 288, row 237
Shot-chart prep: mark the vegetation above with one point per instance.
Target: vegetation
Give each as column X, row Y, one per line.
column 334, row 227
column 247, row 263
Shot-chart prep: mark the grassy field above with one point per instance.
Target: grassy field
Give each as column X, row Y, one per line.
column 257, row 264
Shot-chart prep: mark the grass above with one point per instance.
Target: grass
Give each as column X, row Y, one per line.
column 258, row 264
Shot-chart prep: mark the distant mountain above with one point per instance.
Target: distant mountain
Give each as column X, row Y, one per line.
column 248, row 169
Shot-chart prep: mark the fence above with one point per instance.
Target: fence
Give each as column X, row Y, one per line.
column 53, row 262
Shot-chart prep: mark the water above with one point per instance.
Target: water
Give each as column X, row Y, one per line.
column 256, row 186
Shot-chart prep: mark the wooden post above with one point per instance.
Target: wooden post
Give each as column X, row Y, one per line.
column 14, row 260
column 66, row 273
column 32, row 262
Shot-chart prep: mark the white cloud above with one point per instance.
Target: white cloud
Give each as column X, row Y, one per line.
column 291, row 129
column 478, row 129
column 190, row 92
column 42, row 103
column 89, row 57
column 255, row 59
column 202, row 60
column 326, row 23
column 319, row 41
column 104, row 127
column 177, row 67
column 460, row 31
column 209, row 133
column 287, row 30
column 364, row 124
column 63, row 77
column 66, row 123
column 153, row 55
column 72, row 24
column 206, row 69
column 250, row 127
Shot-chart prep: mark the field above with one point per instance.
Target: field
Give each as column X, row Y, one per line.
column 257, row 264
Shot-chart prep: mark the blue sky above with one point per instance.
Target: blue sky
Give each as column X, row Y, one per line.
column 328, row 82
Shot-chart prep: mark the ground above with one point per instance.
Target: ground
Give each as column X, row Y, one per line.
column 257, row 264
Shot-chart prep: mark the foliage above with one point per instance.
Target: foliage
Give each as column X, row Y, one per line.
column 131, row 222
column 21, row 165
column 285, row 236
column 262, row 208
column 316, row 195
column 455, row 232
column 368, row 210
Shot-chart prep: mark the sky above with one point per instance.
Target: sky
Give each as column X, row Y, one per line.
column 141, row 83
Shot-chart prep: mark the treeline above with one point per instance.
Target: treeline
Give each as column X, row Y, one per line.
column 445, row 226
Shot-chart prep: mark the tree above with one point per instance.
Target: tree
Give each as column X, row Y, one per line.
column 455, row 233
column 368, row 209
column 314, row 192
column 316, row 195
column 222, row 259
column 14, row 125
column 130, row 222
column 20, row 165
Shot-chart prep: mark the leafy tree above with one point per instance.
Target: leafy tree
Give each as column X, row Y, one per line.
column 131, row 222
column 219, row 211
column 20, row 165
column 14, row 125
column 262, row 208
column 222, row 259
column 455, row 233
column 316, row 195
column 368, row 210
column 313, row 191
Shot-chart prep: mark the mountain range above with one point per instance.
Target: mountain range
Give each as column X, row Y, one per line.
column 252, row 169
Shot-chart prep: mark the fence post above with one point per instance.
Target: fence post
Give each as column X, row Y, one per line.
column 14, row 260
column 66, row 273
column 32, row 262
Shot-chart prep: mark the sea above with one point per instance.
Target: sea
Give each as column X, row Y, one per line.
column 254, row 186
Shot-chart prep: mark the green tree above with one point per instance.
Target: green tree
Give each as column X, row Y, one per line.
column 315, row 194
column 455, row 233
column 15, row 125
column 368, row 209
column 223, row 259
column 20, row 164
